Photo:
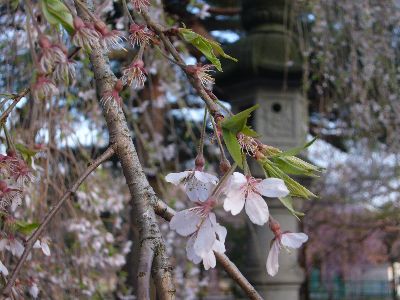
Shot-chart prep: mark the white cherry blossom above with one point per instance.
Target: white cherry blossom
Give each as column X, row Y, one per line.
column 3, row 269
column 13, row 245
column 287, row 240
column 198, row 185
column 206, row 234
column 43, row 244
column 34, row 290
column 248, row 191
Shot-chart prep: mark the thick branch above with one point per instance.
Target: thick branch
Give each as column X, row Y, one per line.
column 166, row 212
column 31, row 241
column 139, row 187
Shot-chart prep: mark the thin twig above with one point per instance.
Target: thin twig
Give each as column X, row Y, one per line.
column 5, row 114
column 212, row 106
column 31, row 241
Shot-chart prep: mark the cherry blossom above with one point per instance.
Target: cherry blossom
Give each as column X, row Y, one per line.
column 43, row 88
column 198, row 185
column 9, row 196
column 248, row 191
column 140, row 5
column 13, row 245
column 50, row 55
column 206, row 234
column 34, row 290
column 42, row 244
column 287, row 240
column 3, row 269
column 202, row 72
column 110, row 39
column 112, row 96
column 135, row 74
column 139, row 34
column 85, row 35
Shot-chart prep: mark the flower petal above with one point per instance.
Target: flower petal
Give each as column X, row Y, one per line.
column 294, row 240
column 272, row 187
column 209, row 260
column 257, row 209
column 177, row 178
column 234, row 202
column 273, row 259
column 205, row 238
column 197, row 190
column 219, row 230
column 3, row 269
column 46, row 249
column 206, row 177
column 185, row 222
column 219, row 247
column 191, row 255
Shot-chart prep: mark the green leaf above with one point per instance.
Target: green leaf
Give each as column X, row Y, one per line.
column 56, row 13
column 14, row 4
column 25, row 227
column 295, row 166
column 238, row 122
column 297, row 150
column 247, row 130
column 288, row 203
column 295, row 188
column 233, row 146
column 209, row 48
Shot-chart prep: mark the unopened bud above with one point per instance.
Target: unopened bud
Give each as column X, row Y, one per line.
column 118, row 86
column 101, row 27
column 44, row 42
column 274, row 226
column 199, row 162
column 259, row 156
column 224, row 166
column 78, row 23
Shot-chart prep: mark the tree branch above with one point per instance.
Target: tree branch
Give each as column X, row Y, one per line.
column 139, row 187
column 31, row 241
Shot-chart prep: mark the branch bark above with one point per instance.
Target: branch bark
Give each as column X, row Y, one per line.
column 31, row 241
column 139, row 187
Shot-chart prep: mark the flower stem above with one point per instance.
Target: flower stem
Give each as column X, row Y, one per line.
column 127, row 11
column 203, row 132
column 221, row 148
column 223, row 180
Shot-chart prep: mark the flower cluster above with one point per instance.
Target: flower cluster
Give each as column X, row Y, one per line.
column 199, row 223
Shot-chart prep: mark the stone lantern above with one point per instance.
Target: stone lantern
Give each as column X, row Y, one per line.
column 269, row 73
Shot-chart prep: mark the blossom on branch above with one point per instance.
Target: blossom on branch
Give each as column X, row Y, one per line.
column 198, row 185
column 13, row 245
column 43, row 88
column 42, row 244
column 202, row 72
column 248, row 191
column 140, row 5
column 287, row 240
column 9, row 196
column 112, row 96
column 135, row 74
column 109, row 39
column 206, row 234
column 3, row 269
column 85, row 36
column 139, row 35
column 50, row 55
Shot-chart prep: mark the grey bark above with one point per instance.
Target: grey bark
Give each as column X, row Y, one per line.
column 141, row 192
